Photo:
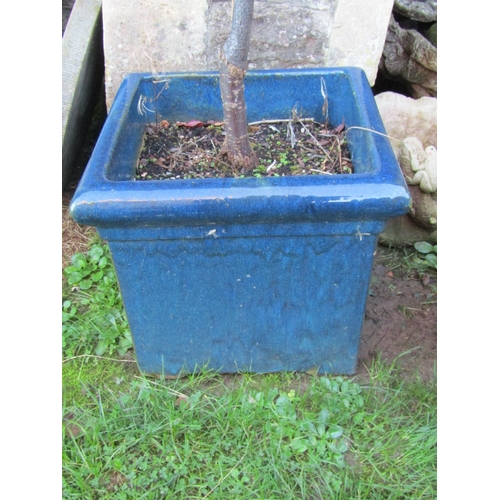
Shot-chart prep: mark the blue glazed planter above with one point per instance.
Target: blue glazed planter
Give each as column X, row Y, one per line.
column 253, row 274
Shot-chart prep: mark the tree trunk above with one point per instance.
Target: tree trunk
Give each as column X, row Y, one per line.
column 232, row 73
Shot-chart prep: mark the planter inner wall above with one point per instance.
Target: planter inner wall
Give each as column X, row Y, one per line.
column 268, row 96
column 258, row 274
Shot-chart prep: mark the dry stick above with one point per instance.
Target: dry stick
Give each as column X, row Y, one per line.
column 223, row 162
column 290, row 133
column 285, row 120
column 99, row 357
column 224, row 478
column 81, row 234
column 301, row 120
column 374, row 131
column 324, row 109
column 316, row 140
column 339, row 152
column 320, row 171
column 169, row 389
column 305, row 148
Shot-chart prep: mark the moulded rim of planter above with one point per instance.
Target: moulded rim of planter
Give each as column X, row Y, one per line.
column 109, row 196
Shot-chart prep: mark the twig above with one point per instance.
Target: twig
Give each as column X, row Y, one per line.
column 141, row 105
column 285, row 120
column 305, row 148
column 374, row 131
column 291, row 134
column 320, row 171
column 224, row 478
column 316, row 140
column 270, row 166
column 99, row 357
column 169, row 389
column 339, row 151
column 324, row 93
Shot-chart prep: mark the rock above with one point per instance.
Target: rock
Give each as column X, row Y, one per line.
column 423, row 210
column 403, row 231
column 358, row 34
column 410, row 58
column 418, row 10
column 405, row 117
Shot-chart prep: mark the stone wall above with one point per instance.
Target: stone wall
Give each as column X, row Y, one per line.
column 186, row 35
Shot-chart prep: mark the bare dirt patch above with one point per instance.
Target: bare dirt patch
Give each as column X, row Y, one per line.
column 400, row 317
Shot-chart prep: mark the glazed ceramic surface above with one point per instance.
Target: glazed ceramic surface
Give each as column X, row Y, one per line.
column 243, row 274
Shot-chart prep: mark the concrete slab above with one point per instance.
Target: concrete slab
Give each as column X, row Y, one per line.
column 186, row 35
column 82, row 76
column 152, row 36
column 358, row 35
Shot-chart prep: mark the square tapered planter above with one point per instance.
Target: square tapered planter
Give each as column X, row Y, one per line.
column 248, row 274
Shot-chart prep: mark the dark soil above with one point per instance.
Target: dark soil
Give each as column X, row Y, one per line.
column 194, row 150
column 400, row 322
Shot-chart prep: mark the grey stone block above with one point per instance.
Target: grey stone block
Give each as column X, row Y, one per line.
column 82, row 77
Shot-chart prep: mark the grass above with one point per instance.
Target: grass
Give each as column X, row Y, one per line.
column 409, row 261
column 273, row 436
column 246, row 436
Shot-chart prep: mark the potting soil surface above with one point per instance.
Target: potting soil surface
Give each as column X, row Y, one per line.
column 194, row 150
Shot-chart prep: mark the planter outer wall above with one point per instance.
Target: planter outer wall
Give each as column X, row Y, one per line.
column 254, row 274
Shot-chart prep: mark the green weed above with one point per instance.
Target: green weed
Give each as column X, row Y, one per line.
column 251, row 436
column 425, row 260
column 420, row 259
column 93, row 318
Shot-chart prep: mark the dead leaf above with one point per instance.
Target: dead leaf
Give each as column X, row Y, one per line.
column 73, row 430
column 164, row 124
column 191, row 124
column 340, row 127
column 182, row 400
column 313, row 371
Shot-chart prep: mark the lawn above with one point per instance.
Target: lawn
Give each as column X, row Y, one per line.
column 272, row 436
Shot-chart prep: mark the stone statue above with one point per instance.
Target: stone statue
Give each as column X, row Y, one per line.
column 422, row 162
column 419, row 166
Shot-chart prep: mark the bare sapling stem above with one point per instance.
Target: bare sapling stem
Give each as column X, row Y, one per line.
column 234, row 65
